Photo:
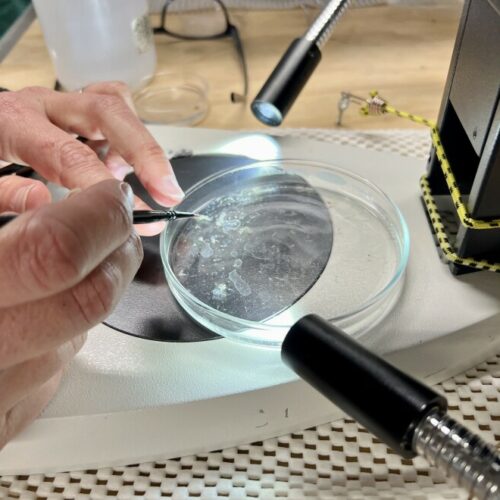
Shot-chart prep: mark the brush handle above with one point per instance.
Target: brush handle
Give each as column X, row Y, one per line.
column 4, row 219
column 140, row 216
column 146, row 216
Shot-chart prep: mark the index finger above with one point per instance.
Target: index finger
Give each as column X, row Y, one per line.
column 110, row 115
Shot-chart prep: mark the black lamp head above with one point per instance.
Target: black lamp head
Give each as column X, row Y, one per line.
column 278, row 94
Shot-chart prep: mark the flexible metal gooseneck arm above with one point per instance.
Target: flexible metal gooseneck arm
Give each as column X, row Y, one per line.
column 321, row 29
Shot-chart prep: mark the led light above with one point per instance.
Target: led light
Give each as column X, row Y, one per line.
column 267, row 113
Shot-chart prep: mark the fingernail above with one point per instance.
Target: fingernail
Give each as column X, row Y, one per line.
column 69, row 194
column 171, row 188
column 125, row 187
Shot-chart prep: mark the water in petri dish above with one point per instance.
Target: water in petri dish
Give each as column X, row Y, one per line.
column 259, row 248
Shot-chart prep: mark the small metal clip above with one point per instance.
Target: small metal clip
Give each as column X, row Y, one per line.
column 374, row 105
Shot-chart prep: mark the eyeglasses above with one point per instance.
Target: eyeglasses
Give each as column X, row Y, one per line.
column 211, row 22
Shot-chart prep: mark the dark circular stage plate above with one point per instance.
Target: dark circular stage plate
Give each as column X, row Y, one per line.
column 148, row 309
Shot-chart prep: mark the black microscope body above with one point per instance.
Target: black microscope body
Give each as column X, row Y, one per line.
column 469, row 127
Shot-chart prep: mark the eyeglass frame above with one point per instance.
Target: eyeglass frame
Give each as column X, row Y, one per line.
column 231, row 32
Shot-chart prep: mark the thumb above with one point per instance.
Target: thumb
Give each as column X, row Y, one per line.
column 18, row 194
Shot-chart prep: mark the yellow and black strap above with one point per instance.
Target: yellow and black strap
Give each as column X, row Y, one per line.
column 376, row 105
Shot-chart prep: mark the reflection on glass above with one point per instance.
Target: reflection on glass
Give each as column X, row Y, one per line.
column 259, row 249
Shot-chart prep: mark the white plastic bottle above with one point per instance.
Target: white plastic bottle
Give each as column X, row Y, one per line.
column 98, row 40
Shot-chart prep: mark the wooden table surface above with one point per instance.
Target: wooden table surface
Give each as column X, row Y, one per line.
column 404, row 52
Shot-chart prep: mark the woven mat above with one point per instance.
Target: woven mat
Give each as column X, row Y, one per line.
column 336, row 460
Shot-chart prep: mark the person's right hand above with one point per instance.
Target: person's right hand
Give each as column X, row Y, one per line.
column 38, row 127
column 63, row 267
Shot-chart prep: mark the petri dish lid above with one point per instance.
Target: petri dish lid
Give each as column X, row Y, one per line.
column 281, row 239
column 173, row 98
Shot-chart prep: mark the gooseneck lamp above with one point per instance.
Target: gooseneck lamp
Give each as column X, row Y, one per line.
column 278, row 94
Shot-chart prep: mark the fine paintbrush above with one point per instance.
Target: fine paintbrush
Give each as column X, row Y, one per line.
column 145, row 216
column 140, row 216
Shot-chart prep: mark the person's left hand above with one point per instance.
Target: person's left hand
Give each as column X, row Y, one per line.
column 63, row 268
column 38, row 127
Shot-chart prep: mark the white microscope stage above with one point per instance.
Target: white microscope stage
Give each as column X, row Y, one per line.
column 127, row 400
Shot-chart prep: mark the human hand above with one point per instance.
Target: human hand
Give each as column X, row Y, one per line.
column 37, row 128
column 63, row 267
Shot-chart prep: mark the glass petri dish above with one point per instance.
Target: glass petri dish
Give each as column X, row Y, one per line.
column 281, row 239
column 174, row 99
